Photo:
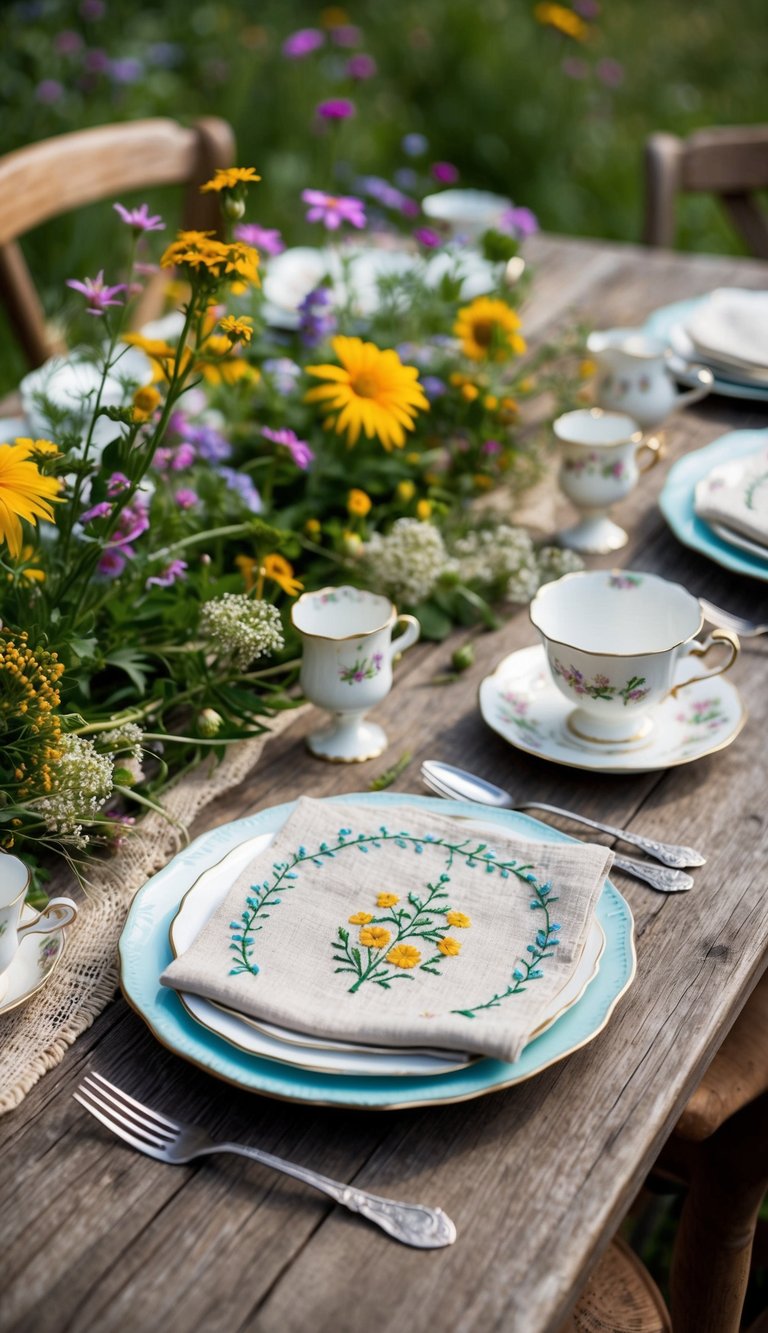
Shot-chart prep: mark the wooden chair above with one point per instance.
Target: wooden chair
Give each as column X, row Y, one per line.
column 730, row 162
column 58, row 175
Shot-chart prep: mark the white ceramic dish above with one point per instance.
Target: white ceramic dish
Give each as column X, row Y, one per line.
column 36, row 960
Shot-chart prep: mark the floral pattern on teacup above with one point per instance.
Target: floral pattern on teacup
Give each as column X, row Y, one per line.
column 624, row 581
column 515, row 715
column 363, row 668
column 705, row 714
column 48, row 953
column 600, row 687
column 594, row 466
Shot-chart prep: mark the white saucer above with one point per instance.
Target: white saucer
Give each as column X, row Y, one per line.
column 521, row 702
column 36, row 960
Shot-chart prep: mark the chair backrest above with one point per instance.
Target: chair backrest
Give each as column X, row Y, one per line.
column 69, row 171
column 730, row 162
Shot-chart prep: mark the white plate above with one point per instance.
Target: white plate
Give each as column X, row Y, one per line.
column 732, row 323
column 661, row 324
column 521, row 702
column 735, row 539
column 273, row 1042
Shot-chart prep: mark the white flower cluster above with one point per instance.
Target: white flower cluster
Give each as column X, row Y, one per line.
column 407, row 562
column 83, row 783
column 240, row 628
column 555, row 561
column 502, row 557
column 125, row 738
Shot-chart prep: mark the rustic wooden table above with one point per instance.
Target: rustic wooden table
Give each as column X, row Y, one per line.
column 537, row 1178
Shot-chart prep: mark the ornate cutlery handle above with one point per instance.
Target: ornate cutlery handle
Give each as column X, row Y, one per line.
column 412, row 1223
column 659, row 877
column 668, row 852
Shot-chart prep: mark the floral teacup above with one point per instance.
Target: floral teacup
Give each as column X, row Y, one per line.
column 14, row 882
column 614, row 642
column 346, row 665
column 599, row 467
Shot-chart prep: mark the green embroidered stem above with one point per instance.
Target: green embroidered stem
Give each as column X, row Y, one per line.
column 528, row 969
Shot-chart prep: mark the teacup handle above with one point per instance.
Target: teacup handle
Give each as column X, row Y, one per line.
column 59, row 912
column 705, row 381
column 407, row 638
column 655, row 447
column 713, row 640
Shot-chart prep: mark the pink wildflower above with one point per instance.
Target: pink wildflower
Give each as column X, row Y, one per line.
column 334, row 210
column 299, row 450
column 139, row 219
column 335, row 108
column 186, row 498
column 302, row 43
column 267, row 239
column 175, row 570
column 98, row 295
column 445, row 172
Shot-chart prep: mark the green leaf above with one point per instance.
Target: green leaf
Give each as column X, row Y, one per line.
column 435, row 624
column 133, row 662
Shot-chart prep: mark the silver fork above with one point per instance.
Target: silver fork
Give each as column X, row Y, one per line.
column 174, row 1142
column 746, row 629
column 456, row 784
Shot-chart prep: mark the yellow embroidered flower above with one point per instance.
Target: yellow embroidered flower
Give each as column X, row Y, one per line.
column 405, row 491
column 459, row 919
column 358, row 503
column 238, row 328
column 387, row 900
column 488, row 329
column 371, row 391
column 145, row 400
column 228, row 178
column 404, row 955
column 374, row 937
column 562, row 19
column 424, row 510
column 449, row 947
column 25, row 493
column 360, row 919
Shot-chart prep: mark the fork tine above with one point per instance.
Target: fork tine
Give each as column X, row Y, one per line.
column 134, row 1118
column 134, row 1127
column 140, row 1144
column 162, row 1120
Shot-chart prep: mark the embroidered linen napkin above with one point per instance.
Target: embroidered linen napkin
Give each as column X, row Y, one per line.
column 736, row 495
column 398, row 933
column 732, row 323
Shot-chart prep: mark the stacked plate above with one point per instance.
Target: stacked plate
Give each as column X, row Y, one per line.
column 726, row 331
column 174, row 906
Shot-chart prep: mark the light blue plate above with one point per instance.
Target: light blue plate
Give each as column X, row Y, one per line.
column 660, row 325
column 145, row 952
column 677, row 499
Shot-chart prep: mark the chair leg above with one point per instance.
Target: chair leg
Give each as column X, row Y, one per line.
column 710, row 1265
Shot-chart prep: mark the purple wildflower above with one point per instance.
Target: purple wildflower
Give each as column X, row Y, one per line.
column 139, row 219
column 414, row 145
column 126, row 70
column 361, row 67
column 117, row 483
column 299, row 450
column 133, row 521
column 433, row 387
column 333, row 210
column 186, row 498
column 163, row 457
column 491, row 447
column 98, row 295
column 610, row 72
column 267, row 239
column 315, row 321
column 96, row 61
column 284, row 371
column 101, row 510
column 209, row 443
column 445, row 172
column 243, row 486
column 49, row 91
column 335, row 108
column 521, row 222
column 346, row 34
column 175, row 570
column 112, row 563
column 428, row 237
column 183, row 457
column 165, row 54
column 302, row 43
column 67, row 42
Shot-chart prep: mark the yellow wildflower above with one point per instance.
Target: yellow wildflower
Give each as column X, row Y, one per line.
column 238, row 328
column 490, row 402
column 404, row 955
column 562, row 19
column 374, row 937
column 457, row 379
column 313, row 527
column 424, row 510
column 358, row 503
column 280, row 571
column 387, row 900
column 360, row 919
column 449, row 947
column 371, row 391
column 413, row 458
column 587, row 369
column 40, row 448
column 228, row 178
column 482, row 481
column 32, row 574
column 488, row 329
column 459, row 919
column 469, row 392
column 145, row 400
column 25, row 493
column 199, row 251
column 405, row 491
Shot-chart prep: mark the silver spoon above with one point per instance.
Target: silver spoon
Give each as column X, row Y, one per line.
column 456, row 784
column 746, row 629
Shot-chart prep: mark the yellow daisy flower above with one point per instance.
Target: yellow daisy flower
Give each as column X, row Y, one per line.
column 25, row 493
column 387, row 900
column 404, row 955
column 360, row 919
column 424, row 510
column 40, row 448
column 371, row 391
column 238, row 328
column 280, row 571
column 405, row 491
column 562, row 19
column 449, row 947
column 32, row 574
column 488, row 329
column 228, row 178
column 145, row 400
column 459, row 919
column 358, row 503
column 374, row 937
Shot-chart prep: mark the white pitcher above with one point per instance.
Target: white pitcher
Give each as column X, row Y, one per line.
column 634, row 376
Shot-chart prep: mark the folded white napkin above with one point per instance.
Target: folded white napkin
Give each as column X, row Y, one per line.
column 399, row 934
column 736, row 495
column 732, row 324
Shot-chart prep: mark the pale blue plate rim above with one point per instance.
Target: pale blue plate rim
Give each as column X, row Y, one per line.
column 144, row 951
column 677, row 498
column 663, row 320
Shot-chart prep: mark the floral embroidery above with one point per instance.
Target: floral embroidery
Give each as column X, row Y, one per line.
column 374, row 937
column 459, row 919
column 404, row 955
column 387, row 900
column 600, row 687
column 449, row 947
column 362, row 668
column 752, row 489
column 595, row 466
column 420, row 918
column 528, row 969
column 624, row 581
column 361, row 919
